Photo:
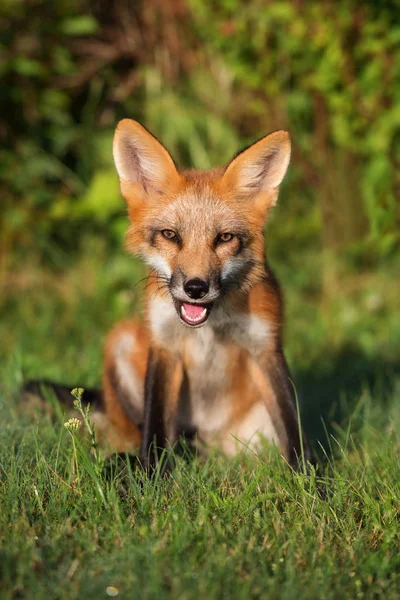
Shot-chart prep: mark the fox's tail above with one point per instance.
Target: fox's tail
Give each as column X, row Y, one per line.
column 37, row 395
column 42, row 388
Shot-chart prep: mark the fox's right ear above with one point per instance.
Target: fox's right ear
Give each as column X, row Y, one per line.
column 144, row 166
column 256, row 173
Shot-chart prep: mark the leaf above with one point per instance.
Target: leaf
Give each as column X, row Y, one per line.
column 102, row 198
column 83, row 25
column 27, row 67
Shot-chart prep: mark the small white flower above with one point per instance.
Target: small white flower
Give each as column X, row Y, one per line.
column 112, row 591
column 72, row 425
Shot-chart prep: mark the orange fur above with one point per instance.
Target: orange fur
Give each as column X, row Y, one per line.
column 124, row 434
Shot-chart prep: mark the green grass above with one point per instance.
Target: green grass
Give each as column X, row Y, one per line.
column 248, row 528
column 241, row 529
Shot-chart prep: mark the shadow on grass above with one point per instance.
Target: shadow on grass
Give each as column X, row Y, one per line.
column 329, row 396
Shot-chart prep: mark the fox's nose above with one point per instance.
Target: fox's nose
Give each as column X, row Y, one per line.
column 196, row 288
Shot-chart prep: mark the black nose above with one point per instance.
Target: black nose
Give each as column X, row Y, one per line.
column 196, row 288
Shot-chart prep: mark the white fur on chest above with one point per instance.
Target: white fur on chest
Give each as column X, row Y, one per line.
column 207, row 353
column 209, row 380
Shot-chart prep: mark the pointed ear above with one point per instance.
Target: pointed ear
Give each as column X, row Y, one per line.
column 144, row 166
column 257, row 172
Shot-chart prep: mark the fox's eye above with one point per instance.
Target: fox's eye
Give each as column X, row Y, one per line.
column 225, row 237
column 168, row 234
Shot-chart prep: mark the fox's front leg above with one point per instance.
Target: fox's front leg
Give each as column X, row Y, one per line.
column 161, row 396
column 281, row 382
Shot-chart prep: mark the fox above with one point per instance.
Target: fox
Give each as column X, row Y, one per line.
column 206, row 361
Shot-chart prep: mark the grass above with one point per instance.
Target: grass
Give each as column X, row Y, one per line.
column 248, row 528
column 243, row 529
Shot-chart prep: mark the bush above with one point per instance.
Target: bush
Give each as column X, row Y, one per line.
column 207, row 78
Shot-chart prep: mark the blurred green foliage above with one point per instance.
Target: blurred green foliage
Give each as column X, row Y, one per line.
column 330, row 71
column 207, row 78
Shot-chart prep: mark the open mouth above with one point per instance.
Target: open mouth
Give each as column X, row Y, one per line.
column 193, row 315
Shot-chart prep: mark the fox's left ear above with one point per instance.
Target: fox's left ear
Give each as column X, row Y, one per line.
column 256, row 173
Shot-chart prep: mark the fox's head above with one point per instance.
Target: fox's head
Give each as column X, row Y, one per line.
column 201, row 232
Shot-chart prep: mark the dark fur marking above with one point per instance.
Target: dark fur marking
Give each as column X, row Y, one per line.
column 240, row 245
column 183, row 425
column 63, row 393
column 279, row 375
column 152, row 236
column 280, row 378
column 235, row 281
column 153, row 439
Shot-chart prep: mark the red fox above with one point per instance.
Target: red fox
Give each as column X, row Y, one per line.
column 208, row 356
column 207, row 360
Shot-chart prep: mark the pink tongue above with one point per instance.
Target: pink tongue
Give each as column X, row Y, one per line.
column 193, row 310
